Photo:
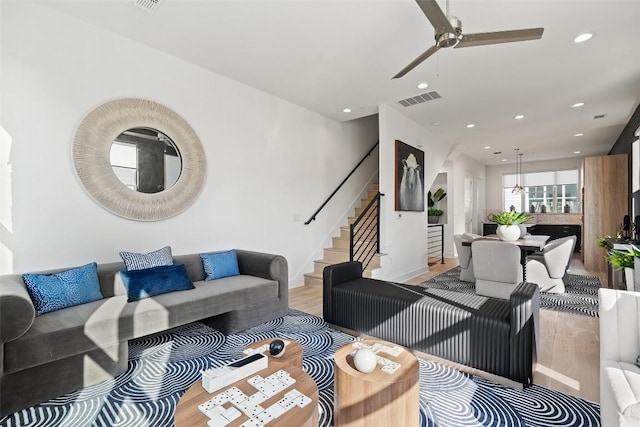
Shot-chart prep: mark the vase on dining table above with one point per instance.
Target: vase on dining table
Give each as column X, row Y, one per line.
column 508, row 233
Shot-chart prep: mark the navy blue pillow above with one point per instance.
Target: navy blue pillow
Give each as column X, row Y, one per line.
column 50, row 292
column 153, row 281
column 220, row 264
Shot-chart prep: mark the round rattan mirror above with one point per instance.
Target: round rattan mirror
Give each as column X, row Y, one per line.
column 91, row 157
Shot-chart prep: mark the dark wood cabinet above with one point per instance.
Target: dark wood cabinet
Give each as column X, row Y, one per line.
column 557, row 231
column 489, row 228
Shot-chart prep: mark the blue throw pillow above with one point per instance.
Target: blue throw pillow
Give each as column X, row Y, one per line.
column 50, row 292
column 134, row 261
column 220, row 264
column 153, row 281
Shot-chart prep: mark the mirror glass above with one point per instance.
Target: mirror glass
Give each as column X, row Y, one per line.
column 145, row 160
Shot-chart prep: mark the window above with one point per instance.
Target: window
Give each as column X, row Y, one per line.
column 550, row 192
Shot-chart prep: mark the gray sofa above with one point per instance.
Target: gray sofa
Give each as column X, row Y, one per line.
column 42, row 357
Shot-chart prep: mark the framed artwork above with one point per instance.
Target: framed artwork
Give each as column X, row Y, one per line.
column 409, row 178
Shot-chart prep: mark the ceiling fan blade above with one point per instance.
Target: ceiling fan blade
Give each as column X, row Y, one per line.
column 481, row 39
column 435, row 15
column 417, row 61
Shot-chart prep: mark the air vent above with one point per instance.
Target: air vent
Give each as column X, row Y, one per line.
column 419, row 99
column 148, row 5
column 599, row 116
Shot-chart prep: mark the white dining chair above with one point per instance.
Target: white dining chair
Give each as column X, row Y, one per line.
column 464, row 258
column 548, row 269
column 497, row 267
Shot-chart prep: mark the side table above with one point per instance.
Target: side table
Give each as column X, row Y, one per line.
column 376, row 398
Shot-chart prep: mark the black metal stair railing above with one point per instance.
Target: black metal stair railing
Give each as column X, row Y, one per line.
column 313, row 217
column 364, row 233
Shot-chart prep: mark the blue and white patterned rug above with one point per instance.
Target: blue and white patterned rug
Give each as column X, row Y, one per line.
column 162, row 367
column 580, row 296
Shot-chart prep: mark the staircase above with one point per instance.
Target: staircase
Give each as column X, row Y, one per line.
column 339, row 251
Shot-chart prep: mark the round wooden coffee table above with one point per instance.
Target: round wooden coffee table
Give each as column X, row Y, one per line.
column 188, row 415
column 292, row 353
column 376, row 398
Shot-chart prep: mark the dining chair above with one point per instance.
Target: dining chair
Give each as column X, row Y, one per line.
column 497, row 267
column 548, row 269
column 464, row 258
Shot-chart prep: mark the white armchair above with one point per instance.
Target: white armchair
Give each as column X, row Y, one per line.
column 497, row 268
column 464, row 258
column 619, row 349
column 549, row 268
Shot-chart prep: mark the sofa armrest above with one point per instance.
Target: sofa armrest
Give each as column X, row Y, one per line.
column 267, row 266
column 619, row 328
column 16, row 308
column 333, row 275
column 525, row 330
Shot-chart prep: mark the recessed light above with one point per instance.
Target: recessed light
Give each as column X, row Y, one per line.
column 487, row 147
column 423, row 85
column 583, row 37
column 519, row 116
column 471, row 125
column 346, row 110
column 435, row 123
column 577, row 104
column 576, row 152
column 578, row 134
column 503, row 160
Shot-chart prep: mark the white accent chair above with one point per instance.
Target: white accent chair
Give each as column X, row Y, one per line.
column 548, row 269
column 619, row 349
column 497, row 267
column 464, row 257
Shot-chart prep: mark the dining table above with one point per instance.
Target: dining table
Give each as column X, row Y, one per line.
column 526, row 246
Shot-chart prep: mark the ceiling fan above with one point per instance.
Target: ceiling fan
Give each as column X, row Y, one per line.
column 449, row 33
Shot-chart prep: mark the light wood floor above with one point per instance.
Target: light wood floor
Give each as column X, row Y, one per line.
column 569, row 356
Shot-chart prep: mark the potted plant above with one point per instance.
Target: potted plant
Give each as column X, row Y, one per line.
column 624, row 259
column 508, row 222
column 433, row 213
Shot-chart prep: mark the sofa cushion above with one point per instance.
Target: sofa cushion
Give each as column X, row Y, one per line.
column 135, row 261
column 623, row 381
column 103, row 323
column 220, row 264
column 153, row 281
column 50, row 292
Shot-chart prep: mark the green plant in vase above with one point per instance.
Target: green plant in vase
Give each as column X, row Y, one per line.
column 509, row 218
column 508, row 221
column 624, row 259
column 433, row 213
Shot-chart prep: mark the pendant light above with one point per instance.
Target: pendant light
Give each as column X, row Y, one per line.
column 518, row 189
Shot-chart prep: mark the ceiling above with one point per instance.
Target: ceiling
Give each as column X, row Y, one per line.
column 327, row 55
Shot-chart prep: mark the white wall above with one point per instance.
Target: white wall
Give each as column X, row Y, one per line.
column 404, row 234
column 495, row 173
column 460, row 168
column 270, row 163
